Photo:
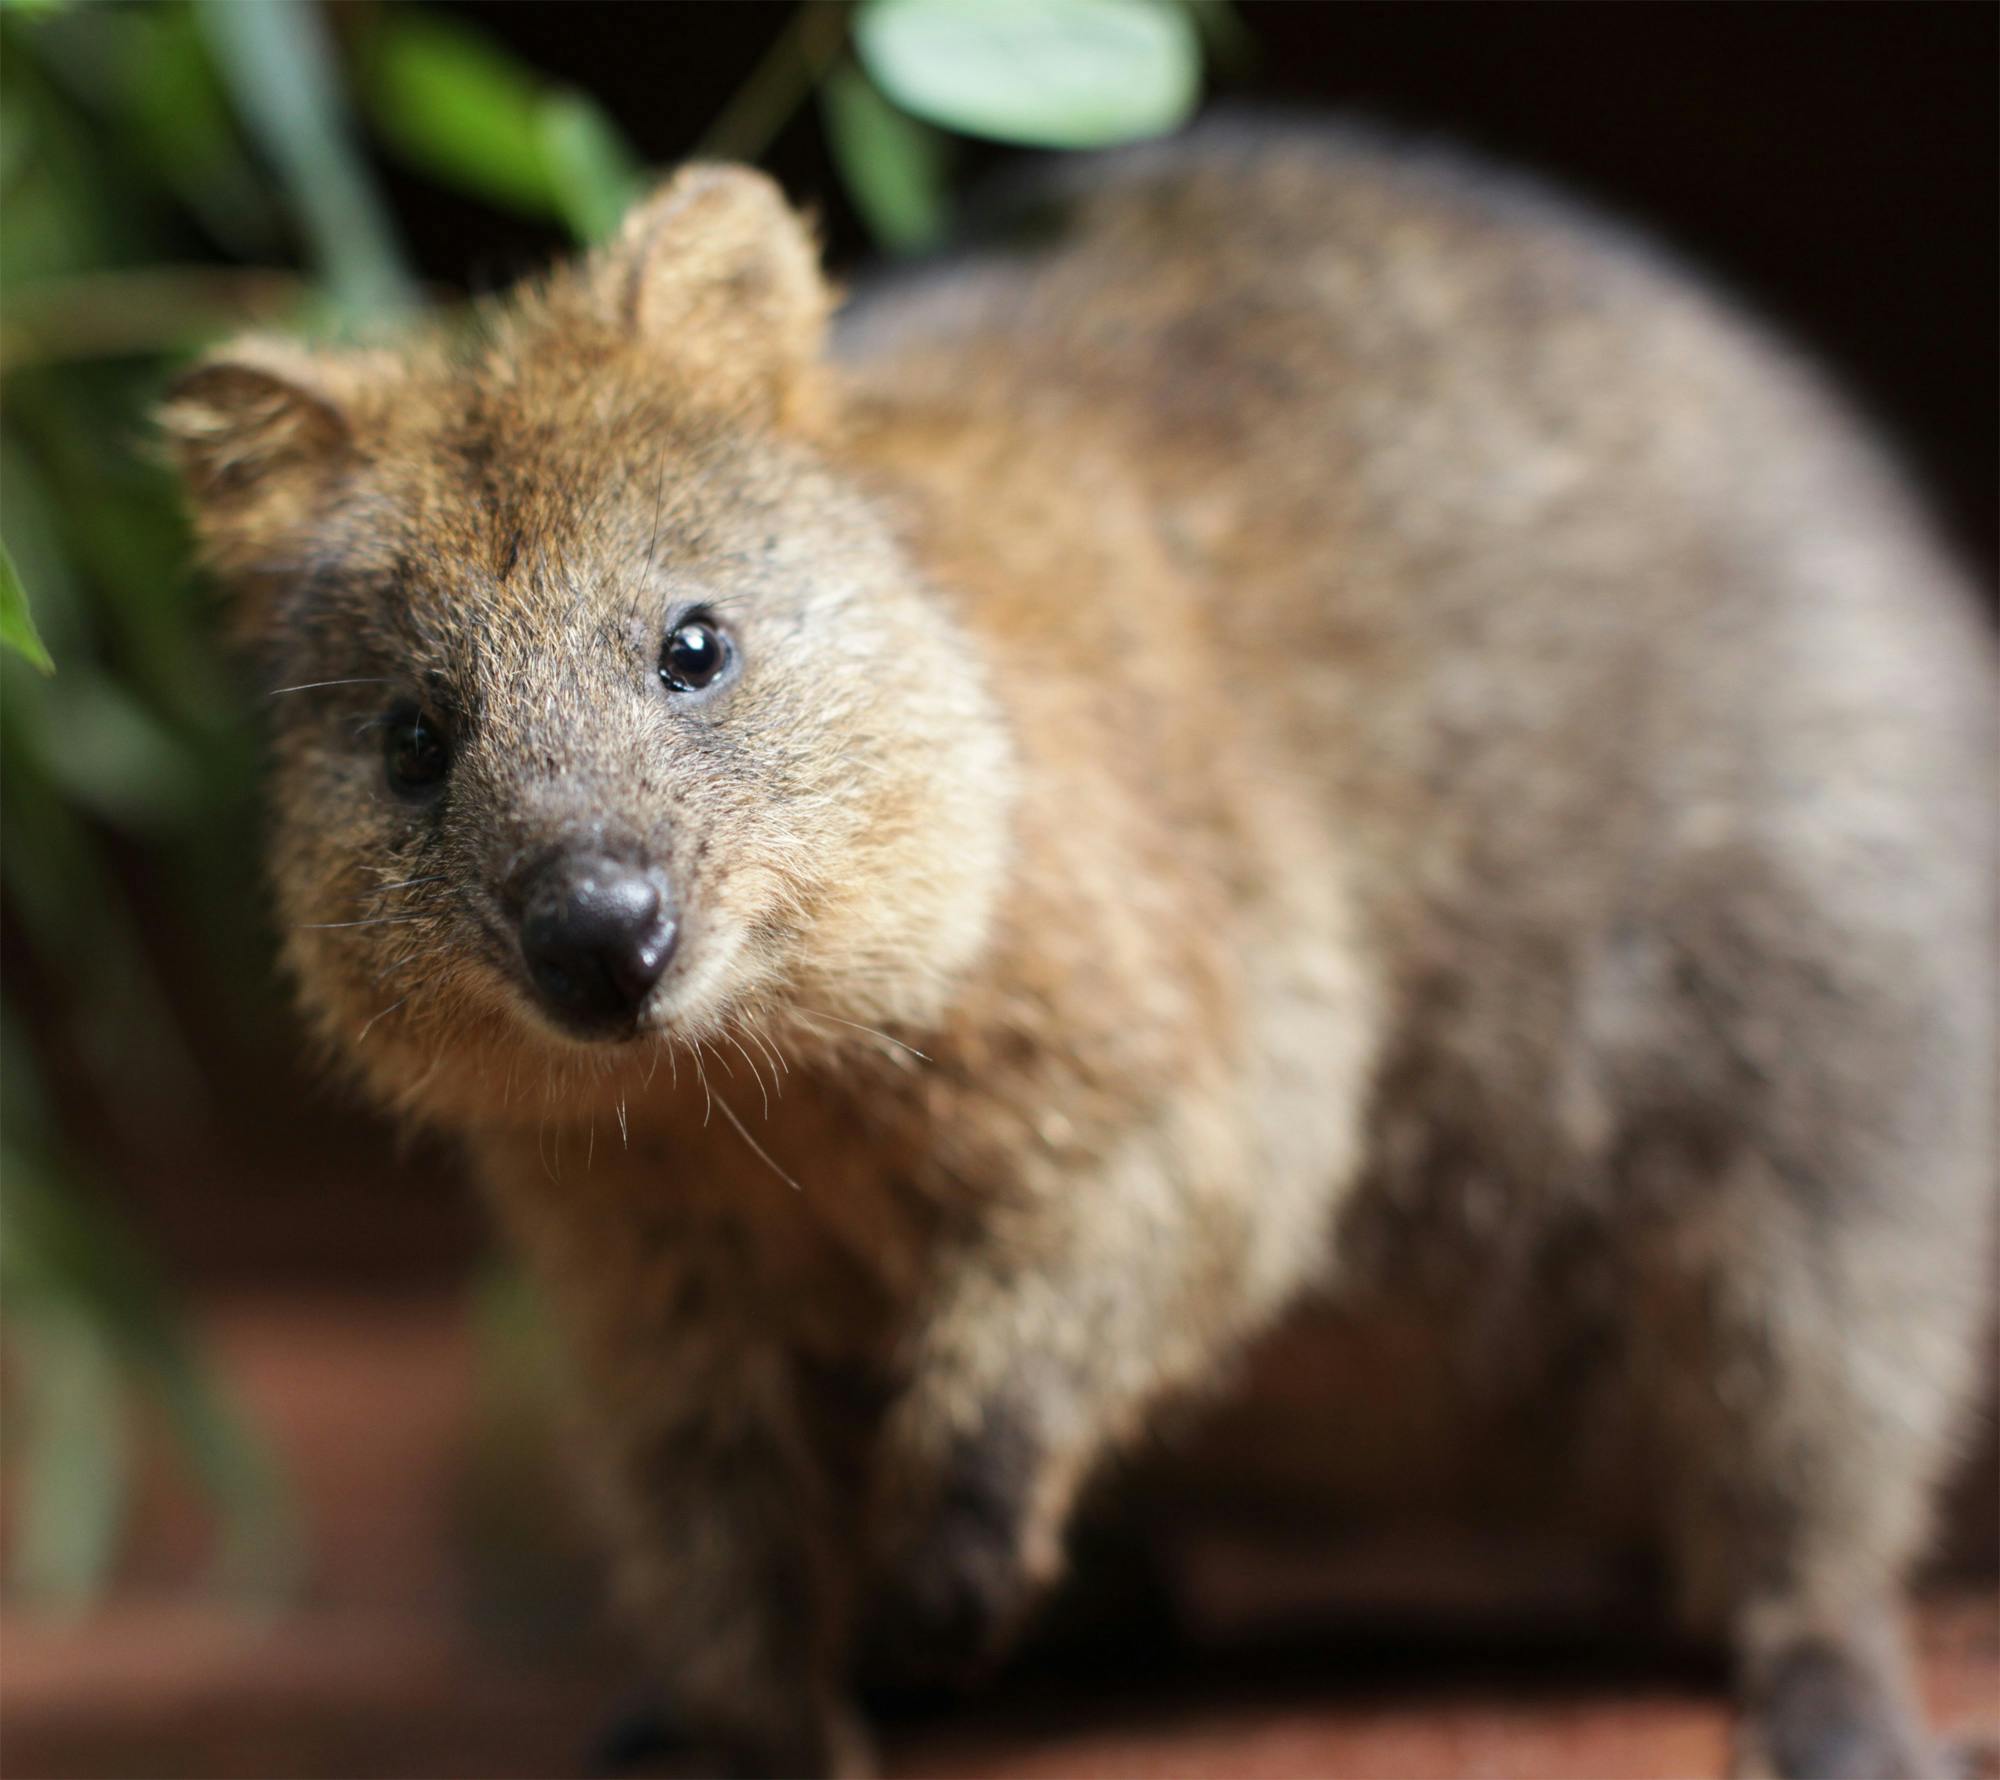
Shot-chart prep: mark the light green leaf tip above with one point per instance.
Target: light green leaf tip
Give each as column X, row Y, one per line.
column 462, row 108
column 1045, row 73
column 593, row 173
column 17, row 624
column 459, row 107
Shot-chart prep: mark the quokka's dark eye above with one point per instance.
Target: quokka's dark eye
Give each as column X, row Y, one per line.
column 695, row 654
column 416, row 752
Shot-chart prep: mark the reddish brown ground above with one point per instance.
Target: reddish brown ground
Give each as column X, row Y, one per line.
column 418, row 1647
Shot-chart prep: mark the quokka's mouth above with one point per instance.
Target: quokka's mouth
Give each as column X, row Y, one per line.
column 622, row 1030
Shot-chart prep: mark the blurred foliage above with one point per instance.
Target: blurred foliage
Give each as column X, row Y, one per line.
column 87, row 1320
column 17, row 623
column 1048, row 73
column 169, row 172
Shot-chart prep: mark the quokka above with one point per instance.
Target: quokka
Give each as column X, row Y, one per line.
column 1307, row 725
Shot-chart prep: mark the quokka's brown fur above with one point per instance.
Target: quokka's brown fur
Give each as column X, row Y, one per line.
column 1384, row 748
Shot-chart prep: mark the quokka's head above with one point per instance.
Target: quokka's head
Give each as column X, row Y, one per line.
column 606, row 713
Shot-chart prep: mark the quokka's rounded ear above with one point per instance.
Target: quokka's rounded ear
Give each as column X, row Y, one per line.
column 256, row 413
column 720, row 271
column 263, row 434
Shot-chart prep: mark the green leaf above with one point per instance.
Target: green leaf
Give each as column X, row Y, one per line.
column 67, row 1266
column 108, row 754
column 593, row 173
column 460, row 108
column 892, row 164
column 172, row 113
column 72, row 1452
column 278, row 65
column 465, row 111
column 17, row 624
column 1047, row 73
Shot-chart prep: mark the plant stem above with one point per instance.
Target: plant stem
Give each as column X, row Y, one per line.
column 793, row 65
column 143, row 311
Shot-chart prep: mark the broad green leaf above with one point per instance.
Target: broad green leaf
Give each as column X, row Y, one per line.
column 892, row 164
column 277, row 62
column 454, row 104
column 1047, row 73
column 593, row 173
column 17, row 624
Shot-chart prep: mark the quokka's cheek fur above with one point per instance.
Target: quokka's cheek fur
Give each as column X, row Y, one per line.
column 1419, row 766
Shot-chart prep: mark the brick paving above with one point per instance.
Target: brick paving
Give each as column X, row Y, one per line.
column 407, row 1653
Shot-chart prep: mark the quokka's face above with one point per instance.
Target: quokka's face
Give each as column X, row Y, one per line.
column 605, row 716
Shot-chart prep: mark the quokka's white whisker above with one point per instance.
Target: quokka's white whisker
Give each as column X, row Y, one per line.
column 316, row 685
column 756, row 1074
column 384, row 1014
column 874, row 1031
column 757, row 1149
column 773, row 1053
column 436, row 877
column 701, row 1074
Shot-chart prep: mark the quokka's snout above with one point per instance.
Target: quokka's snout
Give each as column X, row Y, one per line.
column 596, row 933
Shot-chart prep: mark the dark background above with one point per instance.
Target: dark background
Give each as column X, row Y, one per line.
column 1833, row 164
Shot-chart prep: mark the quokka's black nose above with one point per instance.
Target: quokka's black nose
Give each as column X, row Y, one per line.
column 596, row 935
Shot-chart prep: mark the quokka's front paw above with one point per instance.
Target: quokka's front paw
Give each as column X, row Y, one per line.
column 647, row 1742
column 959, row 1581
column 641, row 1737
column 1817, row 1711
column 950, row 1603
